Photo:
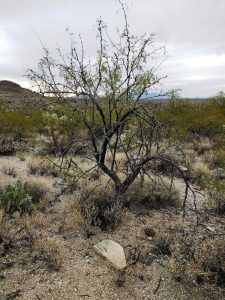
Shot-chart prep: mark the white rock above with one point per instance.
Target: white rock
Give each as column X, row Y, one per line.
column 183, row 169
column 112, row 252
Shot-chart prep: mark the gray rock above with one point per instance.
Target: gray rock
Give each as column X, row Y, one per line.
column 112, row 252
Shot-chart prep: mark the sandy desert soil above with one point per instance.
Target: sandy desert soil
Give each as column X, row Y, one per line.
column 85, row 275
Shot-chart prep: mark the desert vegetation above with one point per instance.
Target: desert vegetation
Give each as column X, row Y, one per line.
column 150, row 174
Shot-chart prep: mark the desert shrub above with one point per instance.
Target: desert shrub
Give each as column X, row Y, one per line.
column 62, row 124
column 210, row 258
column 203, row 145
column 7, row 235
column 154, row 194
column 215, row 199
column 219, row 159
column 100, row 209
column 8, row 145
column 191, row 119
column 20, row 124
column 197, row 258
column 37, row 188
column 21, row 196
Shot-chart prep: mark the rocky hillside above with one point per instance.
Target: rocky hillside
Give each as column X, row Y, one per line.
column 15, row 98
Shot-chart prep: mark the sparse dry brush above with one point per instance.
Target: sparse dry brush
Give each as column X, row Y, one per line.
column 49, row 250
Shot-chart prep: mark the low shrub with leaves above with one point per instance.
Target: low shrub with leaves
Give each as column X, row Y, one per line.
column 21, row 196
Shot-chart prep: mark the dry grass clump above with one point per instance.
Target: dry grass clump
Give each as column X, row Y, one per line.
column 49, row 250
column 210, row 258
column 191, row 257
column 96, row 204
column 215, row 158
column 209, row 157
column 215, row 200
column 120, row 158
column 36, row 221
column 9, row 169
column 201, row 170
column 37, row 165
column 190, row 153
column 199, row 260
column 40, row 188
column 21, row 155
column 71, row 214
column 43, row 166
column 203, row 145
column 154, row 194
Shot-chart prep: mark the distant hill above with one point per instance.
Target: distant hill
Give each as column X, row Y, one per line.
column 15, row 98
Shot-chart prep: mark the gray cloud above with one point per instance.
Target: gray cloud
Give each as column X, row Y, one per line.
column 193, row 32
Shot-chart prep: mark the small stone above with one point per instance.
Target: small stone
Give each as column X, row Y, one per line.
column 112, row 252
column 150, row 238
column 183, row 169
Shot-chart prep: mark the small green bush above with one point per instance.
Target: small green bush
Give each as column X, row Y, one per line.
column 21, row 196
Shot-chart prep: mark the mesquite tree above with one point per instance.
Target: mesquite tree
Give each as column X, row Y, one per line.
column 115, row 116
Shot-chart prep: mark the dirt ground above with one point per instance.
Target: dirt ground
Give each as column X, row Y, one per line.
column 85, row 275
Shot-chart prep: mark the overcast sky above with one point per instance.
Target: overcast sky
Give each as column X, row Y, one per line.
column 193, row 32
